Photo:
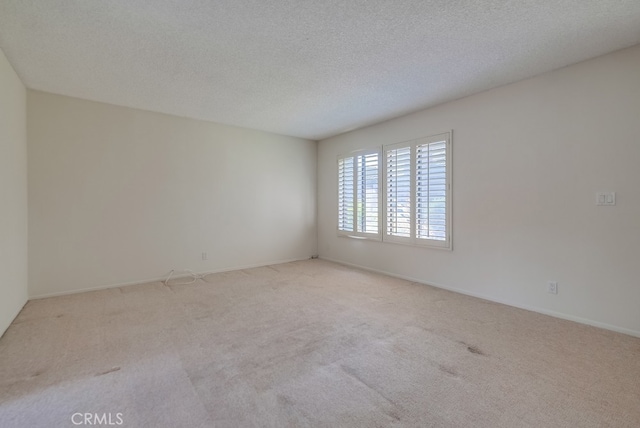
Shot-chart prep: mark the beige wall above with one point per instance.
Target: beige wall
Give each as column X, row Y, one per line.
column 119, row 195
column 13, row 194
column 528, row 160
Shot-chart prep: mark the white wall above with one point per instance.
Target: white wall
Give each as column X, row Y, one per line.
column 528, row 160
column 119, row 195
column 13, row 194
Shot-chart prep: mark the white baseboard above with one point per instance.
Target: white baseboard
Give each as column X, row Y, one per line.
column 543, row 311
column 161, row 278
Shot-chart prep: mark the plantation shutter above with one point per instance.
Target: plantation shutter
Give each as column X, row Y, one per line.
column 398, row 192
column 346, row 169
column 431, row 190
column 359, row 194
column 367, row 192
column 417, row 199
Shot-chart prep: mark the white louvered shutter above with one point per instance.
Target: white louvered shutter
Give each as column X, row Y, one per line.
column 417, row 190
column 346, row 169
column 398, row 192
column 359, row 194
column 431, row 191
column 367, row 193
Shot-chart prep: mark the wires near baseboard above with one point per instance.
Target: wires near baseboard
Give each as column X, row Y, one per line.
column 194, row 277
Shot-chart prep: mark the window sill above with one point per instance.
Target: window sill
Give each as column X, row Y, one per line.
column 445, row 247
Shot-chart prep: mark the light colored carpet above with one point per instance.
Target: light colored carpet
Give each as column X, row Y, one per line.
column 310, row 343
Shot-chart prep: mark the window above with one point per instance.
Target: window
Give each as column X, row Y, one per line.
column 359, row 194
column 417, row 191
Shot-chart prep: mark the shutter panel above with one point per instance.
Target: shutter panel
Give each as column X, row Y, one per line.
column 346, row 170
column 359, row 194
column 398, row 192
column 431, row 191
column 367, row 193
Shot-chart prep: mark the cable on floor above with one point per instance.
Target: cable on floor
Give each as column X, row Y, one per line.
column 194, row 277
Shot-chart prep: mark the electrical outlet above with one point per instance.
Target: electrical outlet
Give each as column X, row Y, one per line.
column 553, row 287
column 204, row 256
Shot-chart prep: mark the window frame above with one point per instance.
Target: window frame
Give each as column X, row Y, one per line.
column 377, row 236
column 412, row 239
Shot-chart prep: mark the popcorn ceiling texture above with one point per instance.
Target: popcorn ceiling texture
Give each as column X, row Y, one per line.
column 311, row 69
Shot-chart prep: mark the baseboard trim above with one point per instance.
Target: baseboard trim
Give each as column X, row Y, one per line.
column 539, row 310
column 161, row 278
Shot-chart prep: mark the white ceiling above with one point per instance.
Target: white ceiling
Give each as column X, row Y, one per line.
column 307, row 68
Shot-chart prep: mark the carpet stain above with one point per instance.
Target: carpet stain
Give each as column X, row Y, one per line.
column 351, row 372
column 472, row 348
column 475, row 350
column 284, row 400
column 393, row 415
column 449, row 370
column 115, row 369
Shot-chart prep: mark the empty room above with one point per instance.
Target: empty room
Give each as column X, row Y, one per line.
column 296, row 213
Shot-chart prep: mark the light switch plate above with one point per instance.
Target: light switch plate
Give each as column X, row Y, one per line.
column 606, row 198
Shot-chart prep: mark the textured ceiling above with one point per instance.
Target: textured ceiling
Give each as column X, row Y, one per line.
column 308, row 68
